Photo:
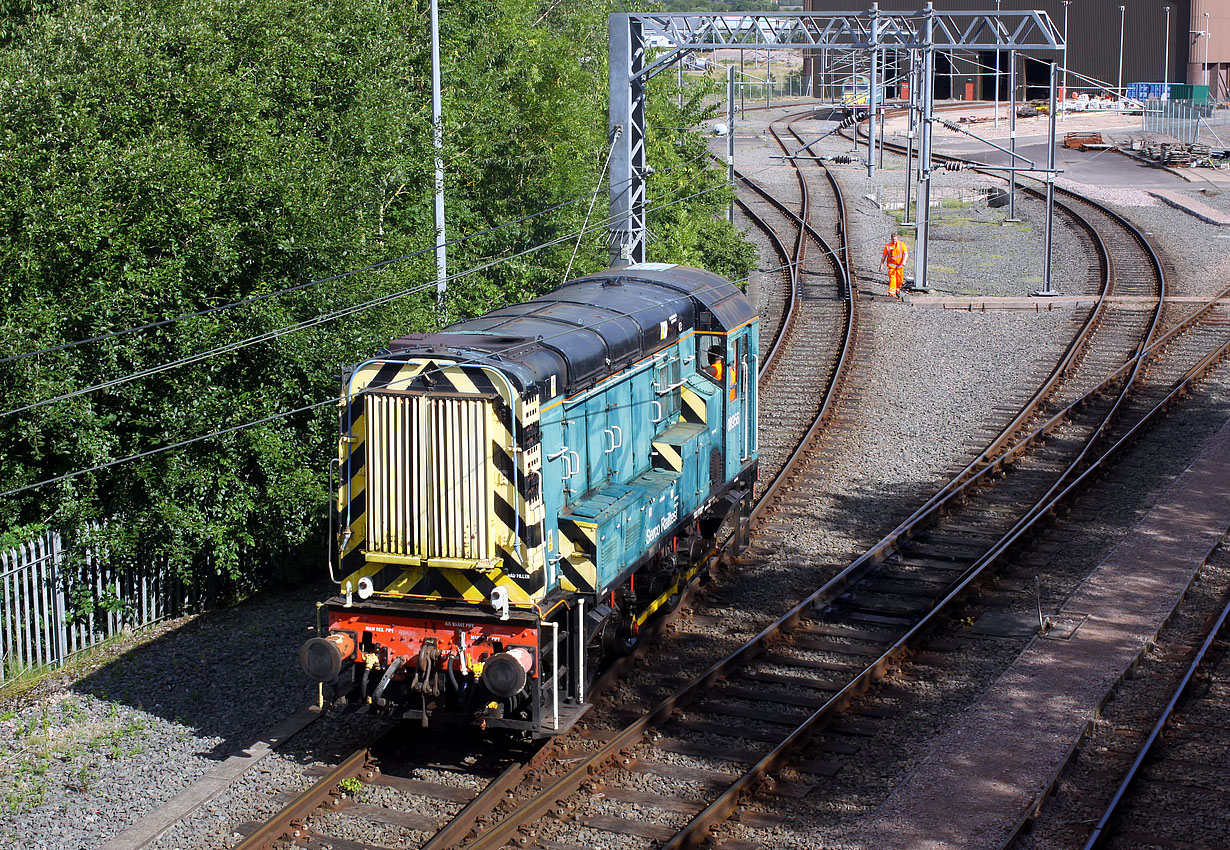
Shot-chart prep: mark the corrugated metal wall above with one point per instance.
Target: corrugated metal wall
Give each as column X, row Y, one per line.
column 1093, row 39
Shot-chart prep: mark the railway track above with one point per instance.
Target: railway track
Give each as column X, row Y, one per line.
column 1150, row 773
column 674, row 772
column 776, row 696
column 821, row 314
column 1155, row 806
column 744, row 710
column 327, row 815
column 1171, row 364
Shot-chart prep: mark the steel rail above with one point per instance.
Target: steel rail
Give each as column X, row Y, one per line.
column 726, row 802
column 543, row 801
column 841, row 265
column 1101, row 829
column 1003, row 441
column 804, row 216
column 323, row 790
column 462, row 824
column 792, row 290
column 793, row 261
column 572, row 780
column 1182, row 384
column 843, row 360
column 721, row 808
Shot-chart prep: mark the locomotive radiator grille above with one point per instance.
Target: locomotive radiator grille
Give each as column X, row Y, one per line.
column 427, row 474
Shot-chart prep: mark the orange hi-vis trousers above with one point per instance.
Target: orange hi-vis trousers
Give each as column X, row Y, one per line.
column 895, row 255
column 896, row 279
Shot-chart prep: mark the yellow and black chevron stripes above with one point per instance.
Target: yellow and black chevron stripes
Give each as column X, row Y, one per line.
column 668, row 457
column 693, row 406
column 517, row 506
column 411, row 484
column 472, row 586
column 352, row 494
column 578, row 544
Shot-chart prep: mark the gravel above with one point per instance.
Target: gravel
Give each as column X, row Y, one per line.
column 1091, row 779
column 94, row 747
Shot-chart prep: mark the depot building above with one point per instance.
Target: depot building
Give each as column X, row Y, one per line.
column 1111, row 45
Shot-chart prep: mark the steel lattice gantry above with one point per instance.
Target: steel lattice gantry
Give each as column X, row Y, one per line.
column 925, row 31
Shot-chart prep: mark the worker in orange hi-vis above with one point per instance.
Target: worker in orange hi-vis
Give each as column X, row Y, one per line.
column 895, row 254
column 715, row 363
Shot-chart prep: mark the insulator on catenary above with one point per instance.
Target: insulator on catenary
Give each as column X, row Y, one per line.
column 841, row 159
column 953, row 165
column 851, row 119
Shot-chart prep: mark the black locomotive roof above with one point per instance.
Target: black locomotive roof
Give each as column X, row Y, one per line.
column 590, row 327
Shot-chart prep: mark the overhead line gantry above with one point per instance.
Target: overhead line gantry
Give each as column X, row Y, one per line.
column 924, row 32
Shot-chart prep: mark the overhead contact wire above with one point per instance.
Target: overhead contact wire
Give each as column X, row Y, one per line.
column 162, row 449
column 313, row 322
column 235, row 428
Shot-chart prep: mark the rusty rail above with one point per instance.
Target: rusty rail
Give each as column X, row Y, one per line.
column 288, row 821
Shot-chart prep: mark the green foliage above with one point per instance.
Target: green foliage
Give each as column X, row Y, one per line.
column 719, row 6
column 164, row 158
column 687, row 195
column 16, row 535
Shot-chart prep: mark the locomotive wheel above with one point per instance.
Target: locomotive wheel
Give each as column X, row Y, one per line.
column 629, row 644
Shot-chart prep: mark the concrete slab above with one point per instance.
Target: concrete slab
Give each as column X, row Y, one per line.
column 1005, row 624
column 985, row 303
column 1192, row 206
column 151, row 827
column 981, row 777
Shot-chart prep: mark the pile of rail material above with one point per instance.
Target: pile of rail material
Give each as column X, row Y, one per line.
column 1086, row 141
column 1178, row 154
column 1169, row 153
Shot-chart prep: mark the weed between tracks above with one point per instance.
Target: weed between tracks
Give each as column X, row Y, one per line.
column 62, row 732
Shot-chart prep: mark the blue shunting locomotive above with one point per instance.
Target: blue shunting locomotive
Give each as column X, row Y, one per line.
column 520, row 492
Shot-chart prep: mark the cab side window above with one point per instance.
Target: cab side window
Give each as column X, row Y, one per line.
column 666, row 382
column 711, row 357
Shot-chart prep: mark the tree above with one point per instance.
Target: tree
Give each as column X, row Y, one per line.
column 161, row 159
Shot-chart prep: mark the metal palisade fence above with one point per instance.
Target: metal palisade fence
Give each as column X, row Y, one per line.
column 1185, row 121
column 58, row 599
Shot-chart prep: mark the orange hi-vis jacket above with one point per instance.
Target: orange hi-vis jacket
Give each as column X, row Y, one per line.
column 895, row 254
